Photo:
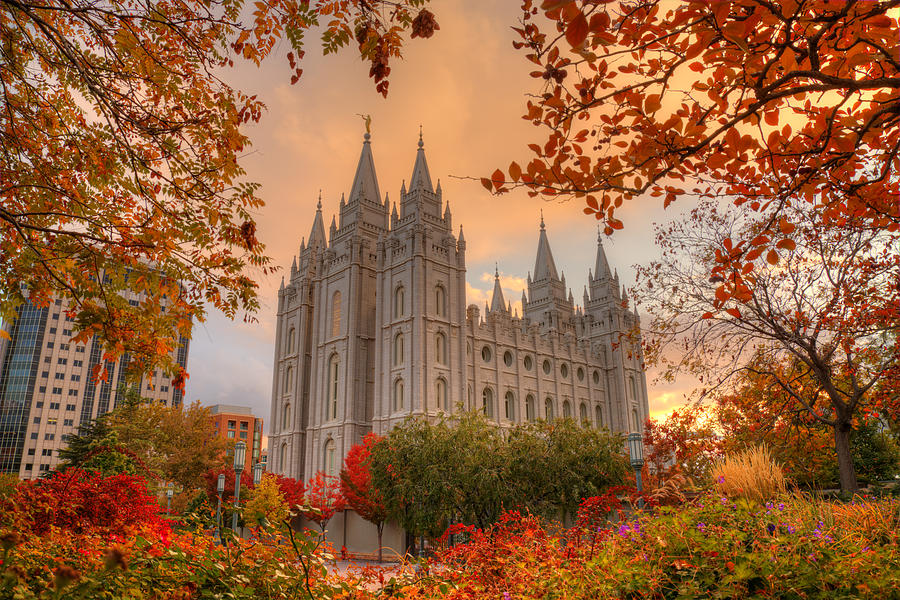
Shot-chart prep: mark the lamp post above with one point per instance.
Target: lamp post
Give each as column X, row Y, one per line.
column 636, row 451
column 257, row 473
column 220, row 488
column 169, row 492
column 240, row 452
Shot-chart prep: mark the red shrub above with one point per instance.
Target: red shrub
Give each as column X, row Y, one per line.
column 211, row 478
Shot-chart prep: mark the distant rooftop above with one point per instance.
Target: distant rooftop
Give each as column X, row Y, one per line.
column 230, row 409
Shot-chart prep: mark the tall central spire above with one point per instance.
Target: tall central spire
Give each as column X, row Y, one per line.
column 497, row 302
column 601, row 268
column 544, row 267
column 365, row 183
column 421, row 178
column 317, row 235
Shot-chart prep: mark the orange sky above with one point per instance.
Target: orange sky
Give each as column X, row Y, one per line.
column 466, row 87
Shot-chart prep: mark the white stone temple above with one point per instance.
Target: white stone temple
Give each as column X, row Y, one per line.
column 373, row 327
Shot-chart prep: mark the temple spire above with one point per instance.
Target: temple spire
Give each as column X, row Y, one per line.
column 544, row 266
column 497, row 301
column 421, row 178
column 317, row 235
column 601, row 266
column 365, row 183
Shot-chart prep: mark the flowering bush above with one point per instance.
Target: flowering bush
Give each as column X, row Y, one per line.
column 715, row 547
column 80, row 501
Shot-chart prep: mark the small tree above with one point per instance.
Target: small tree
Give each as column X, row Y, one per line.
column 211, row 479
column 323, row 499
column 266, row 504
column 357, row 488
column 685, row 442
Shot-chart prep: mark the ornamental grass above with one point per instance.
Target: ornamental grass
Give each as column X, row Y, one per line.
column 751, row 474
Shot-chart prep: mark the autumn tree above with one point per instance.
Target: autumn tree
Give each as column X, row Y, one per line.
column 211, row 482
column 357, row 488
column 266, row 504
column 821, row 323
column 768, row 104
column 176, row 443
column 686, row 442
column 121, row 141
column 323, row 499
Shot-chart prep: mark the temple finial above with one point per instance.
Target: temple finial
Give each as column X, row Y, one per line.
column 421, row 143
column 496, row 271
column 542, row 219
column 319, row 205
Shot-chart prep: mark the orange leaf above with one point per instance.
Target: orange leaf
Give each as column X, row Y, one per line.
column 498, row 179
column 772, row 257
column 577, row 31
column 486, row 183
column 786, row 244
column 733, row 312
column 515, row 171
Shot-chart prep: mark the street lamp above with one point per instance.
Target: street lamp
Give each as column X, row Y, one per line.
column 169, row 492
column 257, row 473
column 220, row 487
column 240, row 452
column 636, row 451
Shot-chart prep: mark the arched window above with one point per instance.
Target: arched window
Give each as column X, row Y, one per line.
column 398, row 349
column 440, row 307
column 487, row 402
column 599, row 416
column 282, row 458
column 289, row 342
column 399, row 302
column 336, row 314
column 636, row 419
column 288, row 379
column 440, row 348
column 398, row 395
column 286, row 417
column 634, row 389
column 529, row 408
column 548, row 408
column 567, row 410
column 509, row 406
column 330, row 458
column 583, row 414
column 440, row 395
column 333, row 377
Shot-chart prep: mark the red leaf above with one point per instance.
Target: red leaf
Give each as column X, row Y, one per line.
column 577, row 31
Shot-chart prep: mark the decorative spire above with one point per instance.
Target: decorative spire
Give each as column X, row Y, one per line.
column 497, row 301
column 601, row 266
column 402, row 189
column 317, row 235
column 461, row 237
column 386, row 202
column 302, row 244
column 343, row 201
column 438, row 190
column 421, row 178
column 365, row 183
column 544, row 266
column 282, row 283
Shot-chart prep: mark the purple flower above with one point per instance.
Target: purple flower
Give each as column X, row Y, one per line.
column 701, row 527
column 791, row 529
column 720, row 479
column 623, row 530
column 771, row 528
column 506, row 596
column 781, row 506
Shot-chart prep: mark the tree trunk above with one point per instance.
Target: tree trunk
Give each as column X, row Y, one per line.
column 380, row 527
column 847, row 473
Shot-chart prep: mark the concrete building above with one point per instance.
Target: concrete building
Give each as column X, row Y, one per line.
column 373, row 326
column 237, row 423
column 46, row 388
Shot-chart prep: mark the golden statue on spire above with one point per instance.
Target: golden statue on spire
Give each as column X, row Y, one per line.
column 368, row 121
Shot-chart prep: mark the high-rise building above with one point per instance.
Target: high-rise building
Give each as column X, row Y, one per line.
column 373, row 327
column 237, row 423
column 47, row 389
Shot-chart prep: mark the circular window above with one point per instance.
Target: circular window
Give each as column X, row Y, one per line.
column 528, row 363
column 486, row 354
column 508, row 358
column 596, row 377
column 580, row 373
column 546, row 367
column 564, row 370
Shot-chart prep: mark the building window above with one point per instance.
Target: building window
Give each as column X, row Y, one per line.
column 487, row 402
column 636, row 419
column 548, row 409
column 230, row 434
column 292, row 333
column 336, row 314
column 580, row 374
column 509, row 406
column 546, row 367
column 583, row 414
column 529, row 407
column 333, row 367
column 634, row 392
column 599, row 416
column 528, row 363
column 440, row 348
column 399, row 302
column 440, row 307
column 282, row 459
column 398, row 395
column 330, row 462
column 567, row 410
column 398, row 349
column 440, row 395
column 286, row 417
column 288, row 379
column 245, row 425
column 596, row 377
column 508, row 358
column 564, row 370
column 243, row 435
column 486, row 354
